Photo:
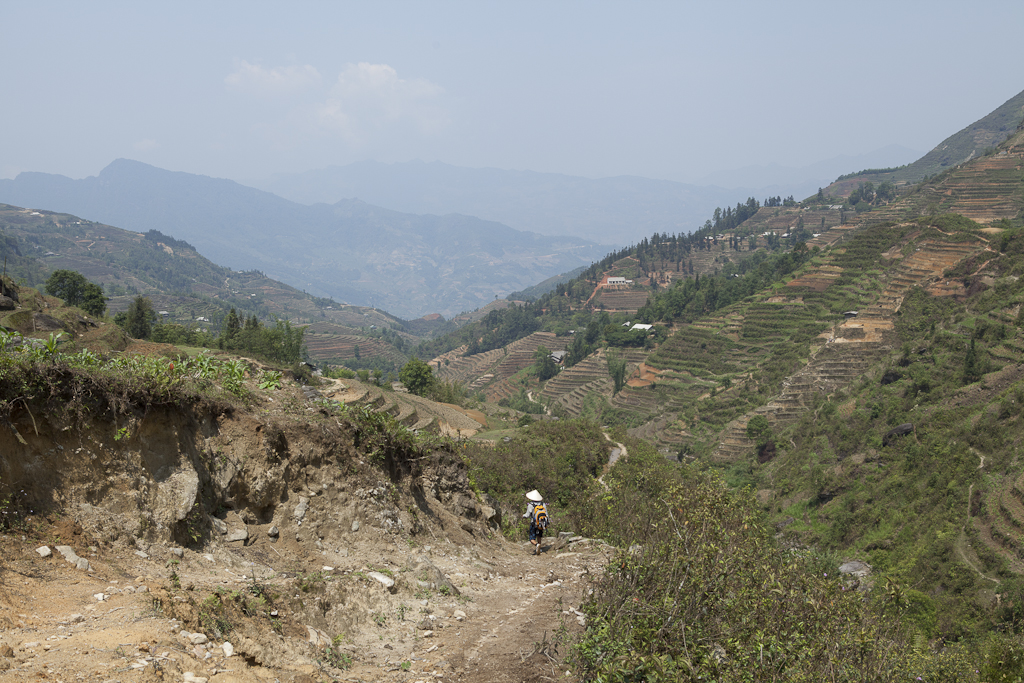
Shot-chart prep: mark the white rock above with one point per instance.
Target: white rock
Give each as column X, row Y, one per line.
column 384, row 579
column 198, row 638
column 100, row 597
column 300, row 509
column 355, row 525
column 178, row 552
column 458, row 615
column 142, row 554
column 83, row 564
column 228, row 648
column 208, row 557
column 327, row 569
column 30, row 644
column 239, row 534
column 44, row 551
column 69, row 554
column 190, row 677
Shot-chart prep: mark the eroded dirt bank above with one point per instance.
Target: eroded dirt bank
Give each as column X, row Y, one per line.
column 273, row 542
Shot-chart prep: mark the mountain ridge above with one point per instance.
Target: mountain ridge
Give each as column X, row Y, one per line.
column 407, row 264
column 967, row 143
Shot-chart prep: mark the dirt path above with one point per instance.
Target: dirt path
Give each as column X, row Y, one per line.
column 962, row 546
column 618, row 452
column 501, row 627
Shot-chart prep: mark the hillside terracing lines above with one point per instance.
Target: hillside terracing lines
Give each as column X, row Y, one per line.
column 850, row 348
column 414, row 412
column 519, row 357
column 570, row 386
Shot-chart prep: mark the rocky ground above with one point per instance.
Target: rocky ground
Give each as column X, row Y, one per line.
column 260, row 543
column 127, row 619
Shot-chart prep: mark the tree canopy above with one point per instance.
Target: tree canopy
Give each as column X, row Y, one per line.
column 139, row 319
column 75, row 290
column 417, row 376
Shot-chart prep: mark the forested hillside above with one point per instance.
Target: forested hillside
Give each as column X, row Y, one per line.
column 193, row 296
column 857, row 364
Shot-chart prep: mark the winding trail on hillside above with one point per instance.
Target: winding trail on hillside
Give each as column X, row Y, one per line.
column 961, row 541
column 618, row 452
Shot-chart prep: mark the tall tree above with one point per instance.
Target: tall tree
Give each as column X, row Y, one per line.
column 544, row 364
column 75, row 290
column 417, row 376
column 138, row 320
column 617, row 369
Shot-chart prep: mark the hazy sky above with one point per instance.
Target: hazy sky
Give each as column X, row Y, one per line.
column 664, row 90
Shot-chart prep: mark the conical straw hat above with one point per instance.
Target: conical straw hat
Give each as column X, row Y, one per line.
column 534, row 495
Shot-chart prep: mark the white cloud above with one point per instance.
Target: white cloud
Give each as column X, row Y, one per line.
column 371, row 97
column 276, row 81
column 146, row 145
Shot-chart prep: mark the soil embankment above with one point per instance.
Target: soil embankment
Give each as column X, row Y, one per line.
column 272, row 541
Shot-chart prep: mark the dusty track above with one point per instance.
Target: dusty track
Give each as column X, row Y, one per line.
column 512, row 607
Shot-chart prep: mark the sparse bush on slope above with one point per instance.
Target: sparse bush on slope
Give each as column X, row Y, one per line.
column 701, row 591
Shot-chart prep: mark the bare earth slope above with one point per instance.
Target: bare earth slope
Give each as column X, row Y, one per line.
column 271, row 530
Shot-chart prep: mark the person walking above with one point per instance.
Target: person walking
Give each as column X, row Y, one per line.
column 537, row 513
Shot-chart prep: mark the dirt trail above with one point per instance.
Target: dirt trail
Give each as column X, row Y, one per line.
column 386, row 569
column 500, row 628
column 618, row 452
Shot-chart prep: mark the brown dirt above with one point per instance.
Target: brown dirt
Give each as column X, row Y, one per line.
column 467, row 604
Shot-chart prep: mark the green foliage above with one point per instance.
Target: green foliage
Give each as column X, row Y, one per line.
column 560, row 459
column 181, row 335
column 417, row 376
column 702, row 592
column 443, row 391
column 617, row 370
column 138, row 320
column 75, row 385
column 690, row 298
column 521, row 401
column 543, row 364
column 75, row 290
column 281, row 343
column 270, row 380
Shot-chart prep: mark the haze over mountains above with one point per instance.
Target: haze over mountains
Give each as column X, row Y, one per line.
column 406, row 264
column 616, row 211
column 444, row 243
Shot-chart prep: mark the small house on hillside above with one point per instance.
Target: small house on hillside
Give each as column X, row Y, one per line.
column 619, row 281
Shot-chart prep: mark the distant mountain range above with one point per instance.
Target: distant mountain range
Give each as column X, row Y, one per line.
column 803, row 181
column 615, row 211
column 612, row 211
column 406, row 264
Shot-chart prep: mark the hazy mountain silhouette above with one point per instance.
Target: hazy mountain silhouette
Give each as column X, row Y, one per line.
column 403, row 263
column 614, row 211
